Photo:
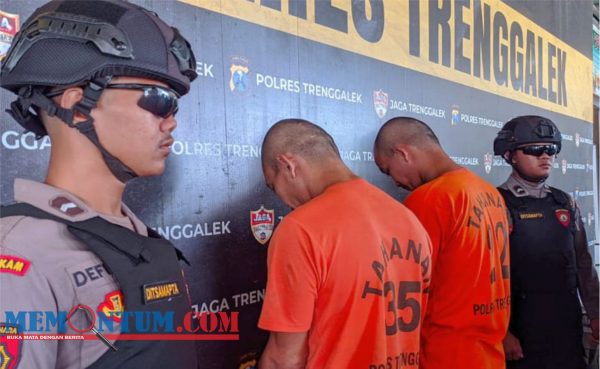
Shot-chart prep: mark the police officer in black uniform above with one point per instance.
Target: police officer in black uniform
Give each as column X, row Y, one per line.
column 102, row 78
column 551, row 267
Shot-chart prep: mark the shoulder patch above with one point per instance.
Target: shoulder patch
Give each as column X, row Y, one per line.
column 518, row 190
column 66, row 206
column 13, row 265
column 563, row 216
column 10, row 349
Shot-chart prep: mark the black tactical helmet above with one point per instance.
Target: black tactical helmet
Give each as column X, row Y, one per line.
column 525, row 130
column 68, row 42
column 85, row 43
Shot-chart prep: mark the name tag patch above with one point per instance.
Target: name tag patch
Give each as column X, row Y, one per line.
column 160, row 291
column 531, row 215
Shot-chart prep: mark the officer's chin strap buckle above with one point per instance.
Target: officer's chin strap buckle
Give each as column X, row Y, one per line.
column 91, row 94
column 21, row 111
column 26, row 119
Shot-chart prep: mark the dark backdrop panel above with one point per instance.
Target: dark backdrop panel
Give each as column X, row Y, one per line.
column 213, row 181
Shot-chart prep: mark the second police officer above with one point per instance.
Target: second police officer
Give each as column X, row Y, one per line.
column 551, row 266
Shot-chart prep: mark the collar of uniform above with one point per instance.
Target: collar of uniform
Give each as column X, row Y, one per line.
column 63, row 204
column 521, row 188
column 140, row 227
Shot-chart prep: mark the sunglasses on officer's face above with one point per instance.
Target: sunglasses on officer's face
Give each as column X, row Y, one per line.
column 158, row 100
column 539, row 150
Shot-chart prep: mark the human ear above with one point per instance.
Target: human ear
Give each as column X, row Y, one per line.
column 69, row 98
column 287, row 163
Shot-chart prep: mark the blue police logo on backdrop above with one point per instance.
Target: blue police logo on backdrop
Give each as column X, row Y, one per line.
column 380, row 103
column 455, row 117
column 262, row 222
column 238, row 81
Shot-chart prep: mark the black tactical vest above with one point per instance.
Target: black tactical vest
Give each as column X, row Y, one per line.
column 545, row 308
column 542, row 247
column 138, row 264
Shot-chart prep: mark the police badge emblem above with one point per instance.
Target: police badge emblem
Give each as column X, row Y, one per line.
column 380, row 103
column 10, row 349
column 262, row 222
column 487, row 162
column 577, row 137
column 564, row 166
column 455, row 119
column 9, row 26
column 563, row 216
column 112, row 307
column 238, row 81
column 248, row 361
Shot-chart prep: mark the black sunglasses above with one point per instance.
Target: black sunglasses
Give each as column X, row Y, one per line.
column 158, row 100
column 539, row 150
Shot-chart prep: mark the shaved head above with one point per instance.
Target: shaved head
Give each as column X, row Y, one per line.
column 298, row 137
column 405, row 130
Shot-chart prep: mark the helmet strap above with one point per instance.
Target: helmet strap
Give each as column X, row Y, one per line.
column 21, row 111
column 91, row 94
column 29, row 96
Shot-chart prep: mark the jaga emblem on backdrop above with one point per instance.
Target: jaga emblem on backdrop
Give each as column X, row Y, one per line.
column 239, row 82
column 9, row 26
column 380, row 103
column 487, row 162
column 262, row 222
column 577, row 137
column 455, row 115
column 564, row 166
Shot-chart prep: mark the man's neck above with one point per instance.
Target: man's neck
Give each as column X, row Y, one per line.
column 330, row 175
column 98, row 188
column 438, row 164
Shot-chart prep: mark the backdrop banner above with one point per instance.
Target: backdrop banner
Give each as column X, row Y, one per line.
column 463, row 67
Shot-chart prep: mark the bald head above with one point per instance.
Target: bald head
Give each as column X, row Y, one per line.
column 298, row 137
column 405, row 130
